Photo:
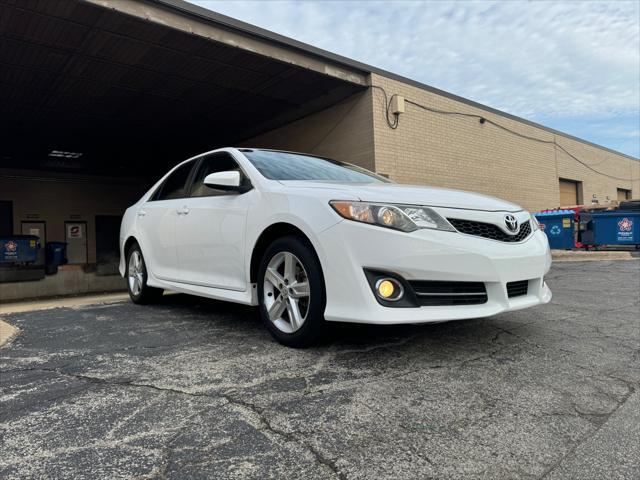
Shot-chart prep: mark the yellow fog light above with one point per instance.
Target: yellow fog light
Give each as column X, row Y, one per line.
column 389, row 289
column 385, row 289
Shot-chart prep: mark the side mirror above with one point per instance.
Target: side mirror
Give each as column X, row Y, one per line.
column 229, row 180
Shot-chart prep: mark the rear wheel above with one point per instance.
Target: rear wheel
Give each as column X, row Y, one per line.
column 139, row 291
column 291, row 292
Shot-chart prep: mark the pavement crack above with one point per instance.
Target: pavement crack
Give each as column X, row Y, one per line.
column 604, row 416
column 253, row 409
column 466, row 362
column 519, row 337
column 378, row 346
column 327, row 462
column 290, row 437
column 121, row 383
column 160, row 472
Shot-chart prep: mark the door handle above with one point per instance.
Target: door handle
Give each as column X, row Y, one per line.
column 183, row 211
column 141, row 213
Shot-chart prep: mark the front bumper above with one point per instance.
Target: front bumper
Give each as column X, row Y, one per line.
column 349, row 247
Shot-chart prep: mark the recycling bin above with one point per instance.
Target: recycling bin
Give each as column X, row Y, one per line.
column 55, row 255
column 19, row 249
column 615, row 227
column 559, row 226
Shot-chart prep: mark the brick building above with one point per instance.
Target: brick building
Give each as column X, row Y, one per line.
column 453, row 151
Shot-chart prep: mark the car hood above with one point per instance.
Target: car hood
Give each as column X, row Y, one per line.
column 406, row 194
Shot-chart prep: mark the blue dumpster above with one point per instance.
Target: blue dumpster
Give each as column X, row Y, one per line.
column 19, row 249
column 558, row 225
column 55, row 255
column 615, row 227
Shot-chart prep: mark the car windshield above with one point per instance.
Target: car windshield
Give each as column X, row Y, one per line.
column 294, row 166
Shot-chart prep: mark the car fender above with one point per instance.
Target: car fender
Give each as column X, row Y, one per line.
column 310, row 215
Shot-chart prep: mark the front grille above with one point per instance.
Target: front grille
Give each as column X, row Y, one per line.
column 516, row 289
column 489, row 230
column 434, row 293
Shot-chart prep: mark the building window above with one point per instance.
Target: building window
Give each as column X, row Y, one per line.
column 570, row 192
column 624, row 194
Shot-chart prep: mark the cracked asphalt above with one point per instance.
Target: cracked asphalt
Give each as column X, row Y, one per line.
column 193, row 388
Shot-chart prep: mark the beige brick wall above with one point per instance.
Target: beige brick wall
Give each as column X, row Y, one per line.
column 457, row 152
column 343, row 132
column 453, row 151
column 603, row 161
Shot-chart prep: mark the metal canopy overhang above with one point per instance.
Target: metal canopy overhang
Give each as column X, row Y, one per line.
column 133, row 95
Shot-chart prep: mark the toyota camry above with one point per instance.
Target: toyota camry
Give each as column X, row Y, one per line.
column 309, row 240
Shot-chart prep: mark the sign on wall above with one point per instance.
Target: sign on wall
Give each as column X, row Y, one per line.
column 74, row 230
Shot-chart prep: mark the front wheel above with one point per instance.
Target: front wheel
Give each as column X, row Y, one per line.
column 291, row 292
column 139, row 291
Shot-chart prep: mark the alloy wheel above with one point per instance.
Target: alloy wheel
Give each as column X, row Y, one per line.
column 286, row 292
column 136, row 272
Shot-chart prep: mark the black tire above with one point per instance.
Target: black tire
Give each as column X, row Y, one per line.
column 313, row 327
column 146, row 294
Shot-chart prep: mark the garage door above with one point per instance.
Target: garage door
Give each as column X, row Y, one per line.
column 568, row 193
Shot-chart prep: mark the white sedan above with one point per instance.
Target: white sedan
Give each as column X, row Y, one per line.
column 309, row 239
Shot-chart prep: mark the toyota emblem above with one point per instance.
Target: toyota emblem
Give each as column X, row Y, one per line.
column 511, row 222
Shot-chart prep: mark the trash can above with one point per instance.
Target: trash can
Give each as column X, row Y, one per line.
column 615, row 227
column 19, row 249
column 55, row 255
column 558, row 225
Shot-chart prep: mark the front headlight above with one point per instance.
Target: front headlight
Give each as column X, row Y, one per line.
column 407, row 218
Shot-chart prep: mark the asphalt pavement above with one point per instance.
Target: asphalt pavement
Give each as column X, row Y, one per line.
column 193, row 388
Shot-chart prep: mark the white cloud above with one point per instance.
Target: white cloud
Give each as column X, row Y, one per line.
column 534, row 59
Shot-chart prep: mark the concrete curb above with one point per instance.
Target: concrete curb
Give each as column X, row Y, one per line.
column 583, row 256
column 7, row 333
column 64, row 302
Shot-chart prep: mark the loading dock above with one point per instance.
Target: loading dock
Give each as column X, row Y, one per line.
column 98, row 99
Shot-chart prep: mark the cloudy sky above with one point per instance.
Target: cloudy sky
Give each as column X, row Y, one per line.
column 573, row 66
